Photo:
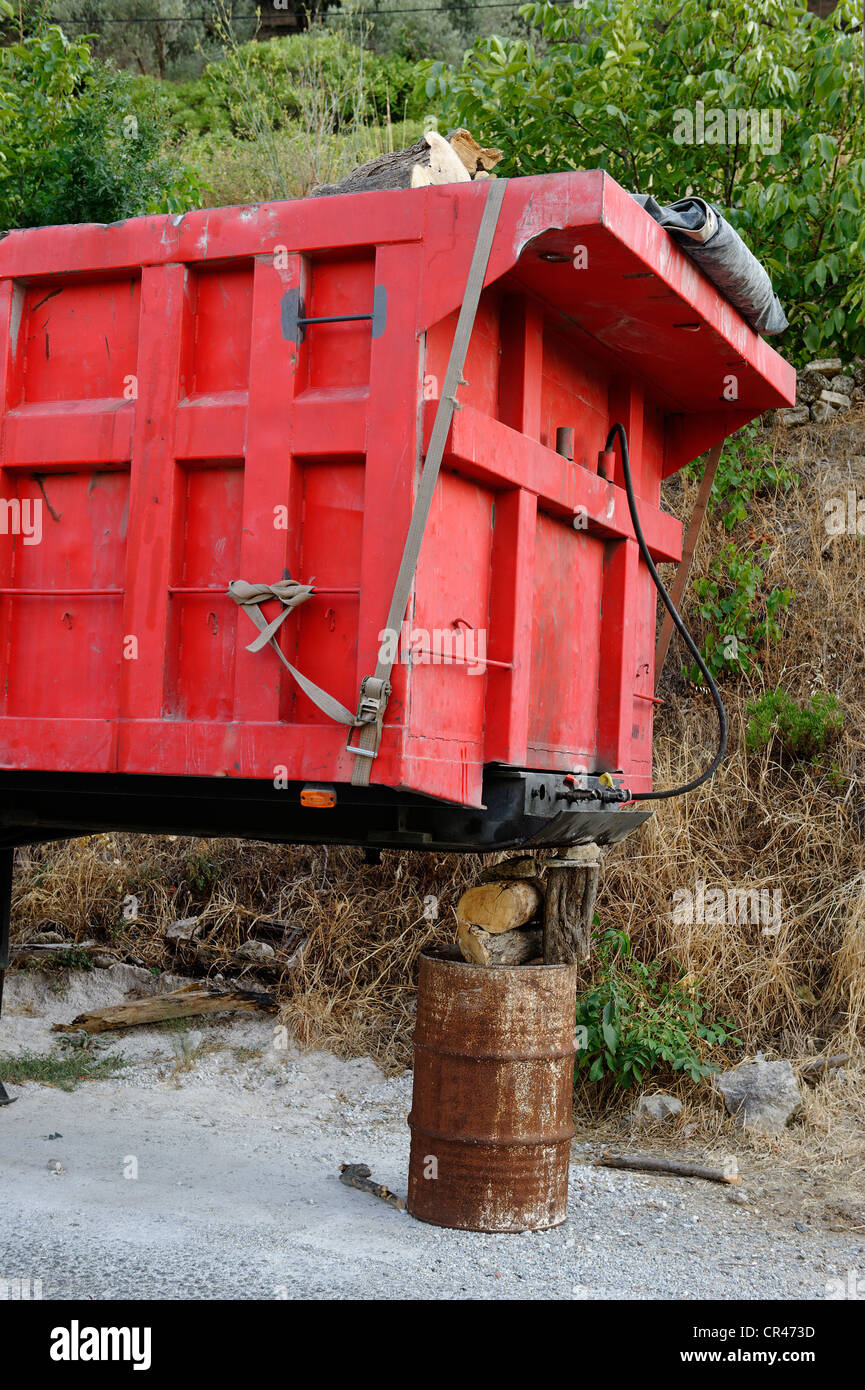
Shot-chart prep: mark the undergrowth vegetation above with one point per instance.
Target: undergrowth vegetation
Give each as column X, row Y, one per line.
column 633, row 1023
column 802, row 729
column 740, row 612
column 65, row 1070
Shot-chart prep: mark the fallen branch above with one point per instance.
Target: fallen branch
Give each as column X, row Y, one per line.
column 359, row 1176
column 46, row 949
column 820, row 1065
column 180, row 1003
column 679, row 1168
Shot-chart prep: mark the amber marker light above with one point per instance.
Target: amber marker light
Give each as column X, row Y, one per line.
column 317, row 796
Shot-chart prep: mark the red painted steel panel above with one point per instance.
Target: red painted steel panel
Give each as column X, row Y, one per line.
column 177, row 428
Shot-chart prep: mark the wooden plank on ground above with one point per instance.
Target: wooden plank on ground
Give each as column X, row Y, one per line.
column 180, row 1003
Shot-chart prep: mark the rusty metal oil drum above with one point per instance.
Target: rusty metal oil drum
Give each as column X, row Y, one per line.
column 492, row 1109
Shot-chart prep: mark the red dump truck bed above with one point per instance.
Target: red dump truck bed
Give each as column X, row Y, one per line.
column 172, row 420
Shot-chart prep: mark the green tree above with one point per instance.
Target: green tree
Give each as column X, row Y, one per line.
column 616, row 85
column 160, row 38
column 77, row 142
column 440, row 29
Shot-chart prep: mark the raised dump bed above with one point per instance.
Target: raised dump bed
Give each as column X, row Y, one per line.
column 248, row 394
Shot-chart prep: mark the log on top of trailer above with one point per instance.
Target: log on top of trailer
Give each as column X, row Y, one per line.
column 432, row 160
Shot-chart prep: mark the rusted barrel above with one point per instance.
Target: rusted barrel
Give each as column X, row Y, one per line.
column 491, row 1118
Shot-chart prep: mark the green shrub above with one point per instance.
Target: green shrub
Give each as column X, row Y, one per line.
column 802, row 730
column 321, row 72
column 632, row 1023
column 192, row 109
column 613, row 84
column 739, row 614
column 78, row 141
column 308, row 109
column 746, row 469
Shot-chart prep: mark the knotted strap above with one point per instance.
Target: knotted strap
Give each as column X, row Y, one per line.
column 290, row 594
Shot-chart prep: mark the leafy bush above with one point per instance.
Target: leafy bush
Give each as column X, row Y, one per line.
column 614, row 84
column 75, row 143
column 803, row 731
column 739, row 613
column 636, row 1023
column 192, row 108
column 284, row 116
column 284, row 80
column 746, row 469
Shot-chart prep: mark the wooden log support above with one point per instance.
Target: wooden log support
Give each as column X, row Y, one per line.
column 499, row 907
column 515, row 947
column 569, row 905
column 511, row 868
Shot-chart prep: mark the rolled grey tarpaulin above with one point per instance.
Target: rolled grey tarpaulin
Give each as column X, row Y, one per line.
column 702, row 232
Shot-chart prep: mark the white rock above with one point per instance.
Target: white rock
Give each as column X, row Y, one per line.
column 844, row 384
column 762, row 1096
column 831, row 365
column 255, row 950
column 186, row 929
column 836, row 398
column 796, row 415
column 658, row 1106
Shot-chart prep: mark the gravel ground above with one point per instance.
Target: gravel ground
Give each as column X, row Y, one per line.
column 237, row 1143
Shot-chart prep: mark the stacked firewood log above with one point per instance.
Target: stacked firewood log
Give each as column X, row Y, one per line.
column 526, row 913
column 433, row 160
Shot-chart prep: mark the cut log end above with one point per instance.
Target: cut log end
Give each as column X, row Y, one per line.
column 499, row 907
column 432, row 160
column 516, row 947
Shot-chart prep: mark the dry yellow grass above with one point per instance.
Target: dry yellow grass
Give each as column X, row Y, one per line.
column 760, row 825
column 364, row 924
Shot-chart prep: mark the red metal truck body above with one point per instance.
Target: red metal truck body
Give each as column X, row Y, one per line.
column 177, row 431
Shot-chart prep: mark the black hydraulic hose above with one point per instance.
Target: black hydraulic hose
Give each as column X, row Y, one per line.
column 619, row 429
